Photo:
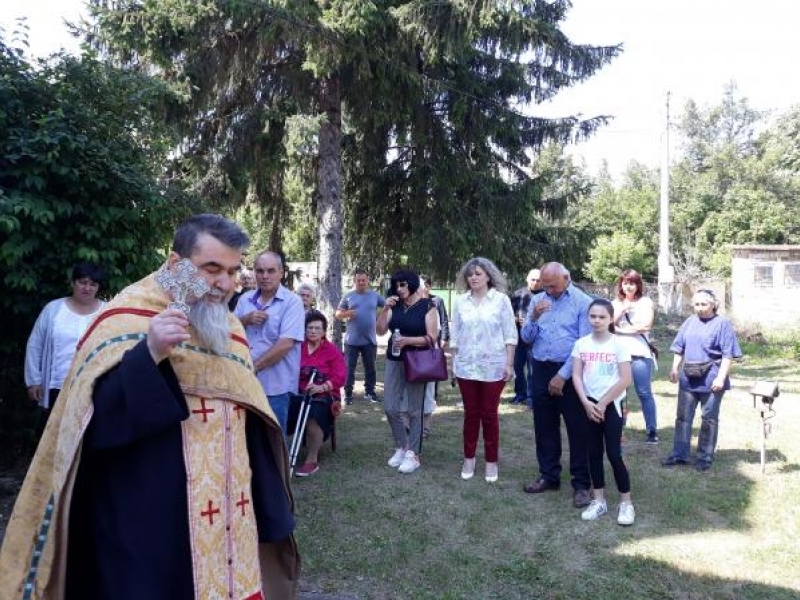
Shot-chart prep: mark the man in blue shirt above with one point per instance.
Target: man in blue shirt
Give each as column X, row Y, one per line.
column 360, row 307
column 274, row 322
column 556, row 319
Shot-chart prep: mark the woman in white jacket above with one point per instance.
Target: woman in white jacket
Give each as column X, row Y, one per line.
column 59, row 327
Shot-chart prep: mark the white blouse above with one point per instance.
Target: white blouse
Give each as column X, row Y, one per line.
column 68, row 328
column 480, row 330
column 640, row 313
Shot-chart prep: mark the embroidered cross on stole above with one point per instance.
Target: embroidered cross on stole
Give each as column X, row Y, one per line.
column 222, row 524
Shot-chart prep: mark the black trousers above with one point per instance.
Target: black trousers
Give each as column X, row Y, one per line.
column 548, row 411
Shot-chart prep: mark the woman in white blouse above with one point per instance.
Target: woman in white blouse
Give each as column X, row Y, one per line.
column 59, row 327
column 483, row 338
column 633, row 318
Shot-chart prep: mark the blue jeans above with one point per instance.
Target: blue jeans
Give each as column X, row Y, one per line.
column 642, row 372
column 368, row 354
column 280, row 406
column 707, row 440
column 522, row 383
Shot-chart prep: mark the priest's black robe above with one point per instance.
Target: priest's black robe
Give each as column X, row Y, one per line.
column 128, row 522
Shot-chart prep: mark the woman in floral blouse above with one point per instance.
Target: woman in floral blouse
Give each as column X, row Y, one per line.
column 483, row 338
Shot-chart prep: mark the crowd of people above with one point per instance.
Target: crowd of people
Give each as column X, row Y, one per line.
column 157, row 396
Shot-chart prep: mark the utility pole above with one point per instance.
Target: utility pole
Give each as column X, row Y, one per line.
column 666, row 273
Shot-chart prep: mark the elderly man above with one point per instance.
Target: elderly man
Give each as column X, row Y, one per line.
column 274, row 322
column 520, row 302
column 556, row 319
column 162, row 473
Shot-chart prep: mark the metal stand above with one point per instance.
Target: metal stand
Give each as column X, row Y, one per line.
column 767, row 413
column 300, row 428
column 766, row 392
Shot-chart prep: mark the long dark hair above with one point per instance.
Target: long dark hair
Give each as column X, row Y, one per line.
column 609, row 308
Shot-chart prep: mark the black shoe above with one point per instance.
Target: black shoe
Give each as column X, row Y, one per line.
column 348, row 400
column 672, row 461
column 540, row 485
column 372, row 397
column 702, row 465
column 652, row 437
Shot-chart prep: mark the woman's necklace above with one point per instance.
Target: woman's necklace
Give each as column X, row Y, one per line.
column 407, row 307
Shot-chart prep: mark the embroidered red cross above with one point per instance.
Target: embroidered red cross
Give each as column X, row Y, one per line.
column 203, row 410
column 210, row 512
column 236, row 409
column 242, row 502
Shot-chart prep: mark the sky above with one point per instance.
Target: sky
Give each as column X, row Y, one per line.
column 689, row 48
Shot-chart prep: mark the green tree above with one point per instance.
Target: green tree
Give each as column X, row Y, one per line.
column 630, row 209
column 443, row 170
column 79, row 156
column 421, row 152
column 610, row 255
column 733, row 185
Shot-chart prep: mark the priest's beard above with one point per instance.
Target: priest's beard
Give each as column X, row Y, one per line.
column 209, row 318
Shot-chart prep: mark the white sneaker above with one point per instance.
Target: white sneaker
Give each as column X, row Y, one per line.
column 397, row 458
column 626, row 513
column 468, row 468
column 595, row 510
column 410, row 463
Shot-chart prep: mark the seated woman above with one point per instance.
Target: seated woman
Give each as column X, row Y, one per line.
column 320, row 355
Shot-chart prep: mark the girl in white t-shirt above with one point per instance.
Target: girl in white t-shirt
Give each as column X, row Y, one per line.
column 601, row 372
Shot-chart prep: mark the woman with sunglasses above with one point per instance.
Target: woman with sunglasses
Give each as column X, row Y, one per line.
column 318, row 355
column 413, row 321
column 704, row 350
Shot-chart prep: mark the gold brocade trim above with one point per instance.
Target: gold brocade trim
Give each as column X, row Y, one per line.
column 223, row 533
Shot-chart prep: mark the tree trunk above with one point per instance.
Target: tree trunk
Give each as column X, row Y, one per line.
column 329, row 204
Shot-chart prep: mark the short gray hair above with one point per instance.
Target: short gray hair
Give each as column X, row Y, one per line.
column 306, row 286
column 557, row 268
column 496, row 279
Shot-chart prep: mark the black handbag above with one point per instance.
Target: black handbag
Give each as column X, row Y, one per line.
column 697, row 370
column 425, row 365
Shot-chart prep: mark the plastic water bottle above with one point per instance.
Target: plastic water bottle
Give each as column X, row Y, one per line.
column 396, row 343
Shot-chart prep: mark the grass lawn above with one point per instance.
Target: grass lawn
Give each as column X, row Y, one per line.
column 368, row 532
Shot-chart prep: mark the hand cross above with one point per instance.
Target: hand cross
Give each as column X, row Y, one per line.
column 182, row 285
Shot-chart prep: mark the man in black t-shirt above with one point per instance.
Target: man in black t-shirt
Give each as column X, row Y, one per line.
column 520, row 302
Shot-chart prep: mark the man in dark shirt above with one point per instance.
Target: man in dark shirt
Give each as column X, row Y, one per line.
column 520, row 302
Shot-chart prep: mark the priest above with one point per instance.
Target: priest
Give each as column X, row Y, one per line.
column 162, row 473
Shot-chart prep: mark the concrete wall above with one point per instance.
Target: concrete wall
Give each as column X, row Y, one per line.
column 765, row 286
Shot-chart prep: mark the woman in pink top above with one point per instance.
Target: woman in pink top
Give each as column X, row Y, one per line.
column 320, row 355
